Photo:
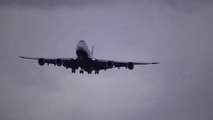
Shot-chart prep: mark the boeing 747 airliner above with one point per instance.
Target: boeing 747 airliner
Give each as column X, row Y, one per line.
column 85, row 61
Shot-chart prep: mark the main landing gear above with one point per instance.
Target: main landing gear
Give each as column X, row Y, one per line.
column 89, row 72
column 81, row 72
column 73, row 70
column 96, row 72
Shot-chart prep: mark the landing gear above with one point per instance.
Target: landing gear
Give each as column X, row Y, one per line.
column 89, row 72
column 73, row 70
column 96, row 72
column 81, row 72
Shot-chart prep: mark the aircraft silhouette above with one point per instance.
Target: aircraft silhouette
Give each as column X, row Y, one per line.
column 85, row 61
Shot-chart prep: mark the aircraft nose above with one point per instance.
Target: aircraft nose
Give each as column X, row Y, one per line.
column 81, row 45
column 82, row 41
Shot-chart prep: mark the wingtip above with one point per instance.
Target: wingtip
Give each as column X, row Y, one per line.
column 21, row 56
column 156, row 63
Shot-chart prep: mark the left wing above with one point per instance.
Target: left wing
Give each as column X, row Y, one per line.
column 108, row 64
column 66, row 62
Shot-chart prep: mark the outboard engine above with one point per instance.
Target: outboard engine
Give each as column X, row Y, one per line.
column 58, row 62
column 130, row 65
column 41, row 61
column 110, row 64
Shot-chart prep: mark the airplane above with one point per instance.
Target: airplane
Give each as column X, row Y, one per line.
column 85, row 61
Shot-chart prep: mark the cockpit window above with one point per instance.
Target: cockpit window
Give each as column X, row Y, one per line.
column 81, row 41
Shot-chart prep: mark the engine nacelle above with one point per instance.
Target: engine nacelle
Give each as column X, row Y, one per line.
column 110, row 64
column 41, row 61
column 59, row 62
column 130, row 65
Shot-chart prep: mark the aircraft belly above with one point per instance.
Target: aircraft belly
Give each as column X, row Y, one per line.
column 86, row 64
column 81, row 53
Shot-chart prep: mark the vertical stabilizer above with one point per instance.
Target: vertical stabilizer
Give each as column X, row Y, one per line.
column 92, row 51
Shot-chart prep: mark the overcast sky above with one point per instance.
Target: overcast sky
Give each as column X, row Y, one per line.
column 176, row 33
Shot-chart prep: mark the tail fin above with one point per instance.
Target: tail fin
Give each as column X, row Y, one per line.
column 92, row 51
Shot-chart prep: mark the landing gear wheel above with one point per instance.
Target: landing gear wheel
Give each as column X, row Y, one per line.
column 81, row 72
column 96, row 72
column 73, row 70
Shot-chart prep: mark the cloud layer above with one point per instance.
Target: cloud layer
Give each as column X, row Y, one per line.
column 82, row 3
column 176, row 33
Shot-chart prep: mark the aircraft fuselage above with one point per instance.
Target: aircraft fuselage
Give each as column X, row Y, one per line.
column 84, row 56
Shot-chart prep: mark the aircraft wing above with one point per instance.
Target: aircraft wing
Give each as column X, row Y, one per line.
column 66, row 62
column 97, row 64
column 100, row 64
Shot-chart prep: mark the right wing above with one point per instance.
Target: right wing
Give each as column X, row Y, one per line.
column 100, row 64
column 66, row 62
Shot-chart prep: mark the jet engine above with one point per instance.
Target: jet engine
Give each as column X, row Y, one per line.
column 58, row 62
column 41, row 61
column 110, row 64
column 130, row 65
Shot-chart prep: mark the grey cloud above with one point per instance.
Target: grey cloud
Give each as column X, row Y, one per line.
column 189, row 4
column 55, row 3
column 179, row 88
